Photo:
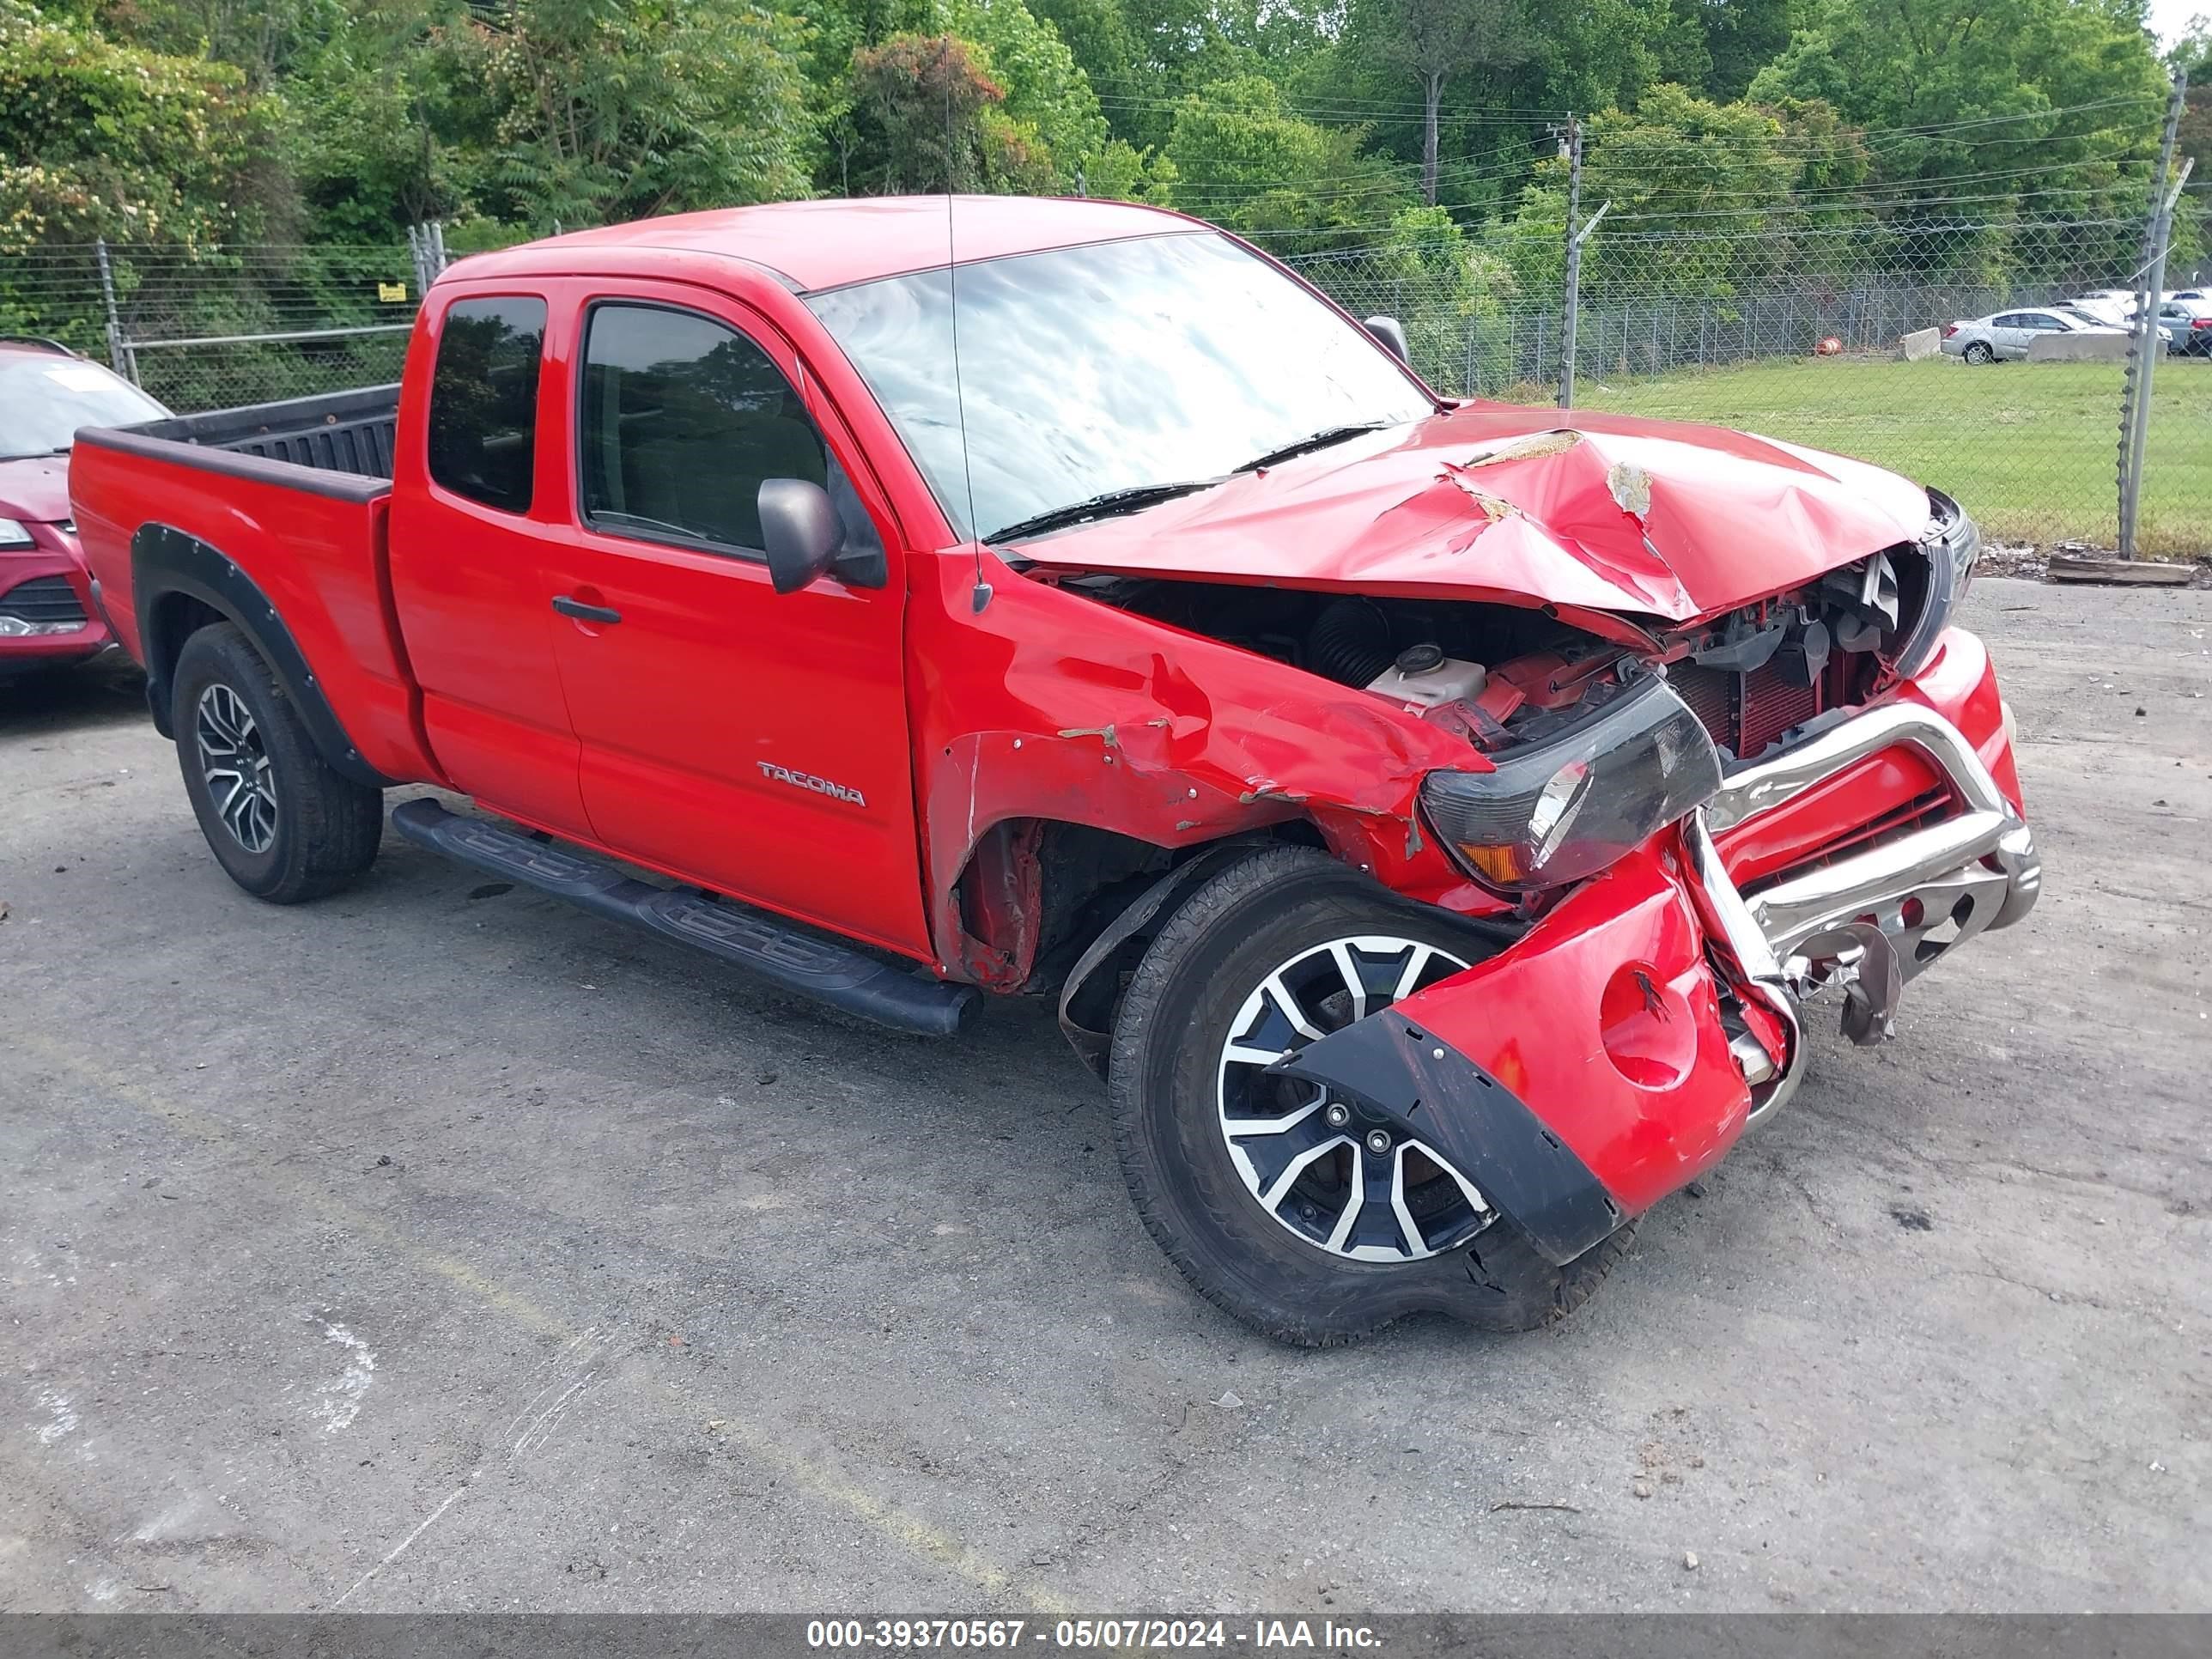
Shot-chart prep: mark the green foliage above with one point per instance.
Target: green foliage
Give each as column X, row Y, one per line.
column 927, row 116
column 100, row 139
column 1242, row 160
column 606, row 110
column 1907, row 65
column 1739, row 128
column 1441, row 286
column 1049, row 107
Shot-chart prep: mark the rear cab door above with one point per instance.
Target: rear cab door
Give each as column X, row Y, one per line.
column 756, row 743
column 474, row 457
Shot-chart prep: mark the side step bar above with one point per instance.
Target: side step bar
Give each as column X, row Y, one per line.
column 776, row 951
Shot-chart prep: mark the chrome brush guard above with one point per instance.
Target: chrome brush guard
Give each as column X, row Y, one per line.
column 1874, row 919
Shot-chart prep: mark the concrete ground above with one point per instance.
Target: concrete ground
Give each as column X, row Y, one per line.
column 438, row 1246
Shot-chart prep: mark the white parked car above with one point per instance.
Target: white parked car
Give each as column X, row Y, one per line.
column 2003, row 335
column 2106, row 305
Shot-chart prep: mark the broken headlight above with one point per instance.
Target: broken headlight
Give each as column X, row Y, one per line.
column 1949, row 547
column 1556, row 811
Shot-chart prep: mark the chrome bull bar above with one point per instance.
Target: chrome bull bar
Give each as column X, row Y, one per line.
column 1868, row 922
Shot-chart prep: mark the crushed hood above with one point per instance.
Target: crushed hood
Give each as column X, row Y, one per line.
column 1493, row 501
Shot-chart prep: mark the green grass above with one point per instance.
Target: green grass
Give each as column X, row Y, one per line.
column 2027, row 447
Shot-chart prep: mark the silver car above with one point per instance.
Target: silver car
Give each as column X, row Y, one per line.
column 2004, row 335
column 2187, row 325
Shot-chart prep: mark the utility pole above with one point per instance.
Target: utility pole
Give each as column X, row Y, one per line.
column 2144, row 345
column 1570, row 149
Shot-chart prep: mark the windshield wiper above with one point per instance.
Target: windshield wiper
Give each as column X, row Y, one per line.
column 1321, row 439
column 1109, row 505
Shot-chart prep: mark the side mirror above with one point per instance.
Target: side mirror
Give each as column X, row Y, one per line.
column 1392, row 334
column 804, row 538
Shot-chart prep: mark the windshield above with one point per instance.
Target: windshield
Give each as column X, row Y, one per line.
column 1088, row 370
column 46, row 397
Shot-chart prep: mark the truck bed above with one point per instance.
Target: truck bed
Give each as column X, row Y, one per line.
column 287, row 504
column 348, row 432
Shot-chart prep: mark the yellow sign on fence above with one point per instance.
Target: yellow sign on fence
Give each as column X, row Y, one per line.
column 391, row 292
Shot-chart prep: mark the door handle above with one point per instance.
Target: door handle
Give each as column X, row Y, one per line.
column 582, row 612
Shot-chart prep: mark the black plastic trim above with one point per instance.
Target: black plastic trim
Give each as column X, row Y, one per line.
column 1088, row 994
column 284, row 475
column 166, row 562
column 786, row 955
column 1425, row 1090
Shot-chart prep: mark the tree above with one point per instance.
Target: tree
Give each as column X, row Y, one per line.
column 1703, row 196
column 1236, row 156
column 919, row 103
column 619, row 109
column 1049, row 106
column 99, row 139
column 1433, row 40
column 1968, row 95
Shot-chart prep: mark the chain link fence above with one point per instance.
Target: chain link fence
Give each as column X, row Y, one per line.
column 1799, row 332
column 203, row 328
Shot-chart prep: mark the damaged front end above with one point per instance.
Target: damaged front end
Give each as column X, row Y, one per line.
column 1652, row 1013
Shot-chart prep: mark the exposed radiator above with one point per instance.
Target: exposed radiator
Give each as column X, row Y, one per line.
column 1745, row 713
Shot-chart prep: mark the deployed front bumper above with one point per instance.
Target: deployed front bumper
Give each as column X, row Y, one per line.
column 1655, row 1011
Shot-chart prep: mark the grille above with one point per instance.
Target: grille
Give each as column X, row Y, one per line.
column 43, row 599
column 1744, row 712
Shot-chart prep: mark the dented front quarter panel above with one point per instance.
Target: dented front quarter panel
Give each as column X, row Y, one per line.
column 1604, row 1021
column 1048, row 705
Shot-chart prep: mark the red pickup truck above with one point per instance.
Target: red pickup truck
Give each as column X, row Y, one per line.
column 1434, row 819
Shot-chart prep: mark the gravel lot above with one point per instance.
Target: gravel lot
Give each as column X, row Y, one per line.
column 438, row 1246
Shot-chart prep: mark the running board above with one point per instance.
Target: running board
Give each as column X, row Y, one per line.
column 777, row 952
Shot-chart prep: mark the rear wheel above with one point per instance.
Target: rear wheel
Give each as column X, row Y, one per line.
column 282, row 824
column 1980, row 352
column 1262, row 1190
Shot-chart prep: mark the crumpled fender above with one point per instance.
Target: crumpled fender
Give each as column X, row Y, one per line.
column 1047, row 704
column 1578, row 1075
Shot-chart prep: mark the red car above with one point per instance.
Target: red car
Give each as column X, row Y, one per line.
column 1434, row 820
column 46, row 392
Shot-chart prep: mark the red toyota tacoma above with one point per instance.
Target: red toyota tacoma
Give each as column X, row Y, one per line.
column 1434, row 819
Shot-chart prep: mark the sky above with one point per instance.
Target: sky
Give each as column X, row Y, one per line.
column 2170, row 18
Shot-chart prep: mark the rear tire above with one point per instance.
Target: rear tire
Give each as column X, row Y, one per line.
column 1980, row 352
column 282, row 823
column 1187, row 1004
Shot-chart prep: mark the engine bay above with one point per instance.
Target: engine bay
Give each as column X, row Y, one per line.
column 1501, row 675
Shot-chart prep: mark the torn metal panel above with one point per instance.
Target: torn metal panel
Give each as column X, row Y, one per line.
column 1049, row 705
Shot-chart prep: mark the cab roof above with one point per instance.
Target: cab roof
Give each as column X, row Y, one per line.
column 830, row 244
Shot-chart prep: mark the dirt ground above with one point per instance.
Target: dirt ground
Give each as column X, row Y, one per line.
column 441, row 1247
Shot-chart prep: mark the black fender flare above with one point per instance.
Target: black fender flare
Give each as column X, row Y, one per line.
column 165, row 562
column 1411, row 1085
column 1087, row 994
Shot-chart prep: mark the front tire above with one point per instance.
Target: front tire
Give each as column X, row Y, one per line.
column 1251, row 1194
column 282, row 824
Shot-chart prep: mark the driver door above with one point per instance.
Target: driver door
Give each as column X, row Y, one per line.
column 752, row 742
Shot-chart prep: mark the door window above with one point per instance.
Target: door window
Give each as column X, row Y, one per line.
column 683, row 420
column 483, row 400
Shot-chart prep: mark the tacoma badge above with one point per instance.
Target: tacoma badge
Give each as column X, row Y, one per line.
column 808, row 780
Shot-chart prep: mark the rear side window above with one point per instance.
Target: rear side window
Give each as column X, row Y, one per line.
column 683, row 419
column 483, row 400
